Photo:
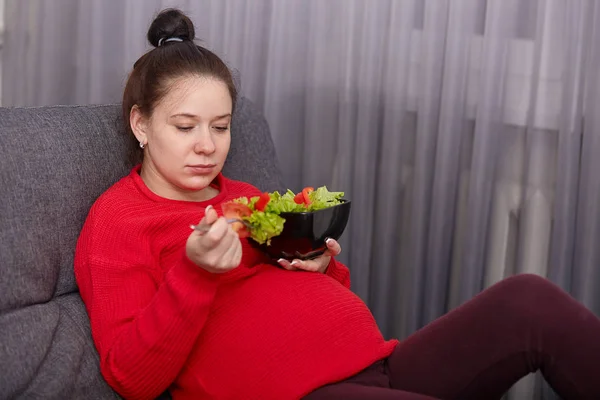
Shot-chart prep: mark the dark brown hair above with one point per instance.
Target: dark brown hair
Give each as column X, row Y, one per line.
column 152, row 73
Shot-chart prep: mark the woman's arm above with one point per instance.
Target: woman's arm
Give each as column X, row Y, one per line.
column 144, row 324
column 144, row 332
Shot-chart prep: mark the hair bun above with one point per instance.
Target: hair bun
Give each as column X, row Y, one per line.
column 170, row 23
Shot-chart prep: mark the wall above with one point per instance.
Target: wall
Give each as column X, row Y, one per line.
column 1, row 43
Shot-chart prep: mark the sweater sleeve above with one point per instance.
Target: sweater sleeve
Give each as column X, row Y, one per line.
column 339, row 272
column 143, row 332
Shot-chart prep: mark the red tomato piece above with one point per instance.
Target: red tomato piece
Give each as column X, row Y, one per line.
column 237, row 210
column 305, row 192
column 262, row 202
column 299, row 199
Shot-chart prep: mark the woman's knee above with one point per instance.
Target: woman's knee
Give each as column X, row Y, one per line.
column 531, row 290
column 529, row 282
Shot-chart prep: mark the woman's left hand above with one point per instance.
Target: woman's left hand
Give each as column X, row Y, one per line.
column 318, row 264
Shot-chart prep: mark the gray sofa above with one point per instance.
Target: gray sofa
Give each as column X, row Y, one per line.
column 54, row 162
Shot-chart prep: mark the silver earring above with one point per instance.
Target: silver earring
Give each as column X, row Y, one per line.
column 142, row 145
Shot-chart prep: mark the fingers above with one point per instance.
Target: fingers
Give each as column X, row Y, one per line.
column 307, row 265
column 210, row 215
column 217, row 250
column 286, row 264
column 232, row 250
column 295, row 265
column 217, row 232
column 220, row 250
column 318, row 264
column 333, row 247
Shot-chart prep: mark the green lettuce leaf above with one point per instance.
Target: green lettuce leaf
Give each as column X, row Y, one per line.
column 323, row 198
column 268, row 223
column 283, row 203
column 265, row 226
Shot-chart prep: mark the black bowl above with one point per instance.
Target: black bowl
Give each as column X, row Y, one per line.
column 304, row 233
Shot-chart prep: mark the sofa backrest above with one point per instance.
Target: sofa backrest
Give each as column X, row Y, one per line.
column 54, row 163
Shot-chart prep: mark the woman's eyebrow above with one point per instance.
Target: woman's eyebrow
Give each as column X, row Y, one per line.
column 196, row 117
column 184, row 115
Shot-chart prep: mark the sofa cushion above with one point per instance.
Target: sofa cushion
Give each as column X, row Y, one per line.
column 54, row 163
column 47, row 353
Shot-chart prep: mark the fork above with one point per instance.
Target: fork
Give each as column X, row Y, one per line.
column 204, row 227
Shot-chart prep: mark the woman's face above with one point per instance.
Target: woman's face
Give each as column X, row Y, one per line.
column 187, row 138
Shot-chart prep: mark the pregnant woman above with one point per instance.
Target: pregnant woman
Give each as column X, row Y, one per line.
column 204, row 315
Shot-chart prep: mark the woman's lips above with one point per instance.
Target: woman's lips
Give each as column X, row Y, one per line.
column 202, row 169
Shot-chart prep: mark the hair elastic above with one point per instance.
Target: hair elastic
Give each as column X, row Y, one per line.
column 162, row 40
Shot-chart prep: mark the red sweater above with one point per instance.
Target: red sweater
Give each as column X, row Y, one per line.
column 256, row 332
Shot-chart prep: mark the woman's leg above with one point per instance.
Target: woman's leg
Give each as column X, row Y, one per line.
column 479, row 350
column 354, row 391
column 372, row 383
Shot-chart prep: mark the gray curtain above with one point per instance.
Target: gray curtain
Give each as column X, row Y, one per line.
column 464, row 131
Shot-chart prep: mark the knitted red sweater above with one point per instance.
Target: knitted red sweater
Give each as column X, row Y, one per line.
column 256, row 332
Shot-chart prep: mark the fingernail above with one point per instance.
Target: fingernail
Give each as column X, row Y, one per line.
column 328, row 240
column 208, row 208
column 295, row 262
column 281, row 260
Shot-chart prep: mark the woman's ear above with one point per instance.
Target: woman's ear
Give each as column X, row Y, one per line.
column 138, row 124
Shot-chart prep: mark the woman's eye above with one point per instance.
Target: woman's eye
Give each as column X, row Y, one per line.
column 221, row 128
column 185, row 128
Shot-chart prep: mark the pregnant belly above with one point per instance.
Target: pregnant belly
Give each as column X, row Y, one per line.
column 277, row 325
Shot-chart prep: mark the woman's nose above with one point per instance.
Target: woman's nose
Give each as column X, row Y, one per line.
column 204, row 143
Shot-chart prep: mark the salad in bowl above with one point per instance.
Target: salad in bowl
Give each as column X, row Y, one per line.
column 290, row 225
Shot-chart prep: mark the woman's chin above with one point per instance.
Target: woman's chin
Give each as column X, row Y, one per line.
column 196, row 183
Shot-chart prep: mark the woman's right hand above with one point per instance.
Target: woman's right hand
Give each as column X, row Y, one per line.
column 219, row 250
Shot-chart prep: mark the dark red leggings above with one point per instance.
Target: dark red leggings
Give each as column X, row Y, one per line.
column 479, row 350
